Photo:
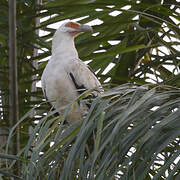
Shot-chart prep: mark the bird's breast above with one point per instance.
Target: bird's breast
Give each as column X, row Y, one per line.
column 59, row 85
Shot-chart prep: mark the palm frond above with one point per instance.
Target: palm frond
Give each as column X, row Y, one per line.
column 129, row 132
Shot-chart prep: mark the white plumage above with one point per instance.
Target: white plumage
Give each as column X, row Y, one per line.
column 65, row 73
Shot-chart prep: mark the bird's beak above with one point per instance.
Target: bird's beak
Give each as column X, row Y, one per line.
column 85, row 28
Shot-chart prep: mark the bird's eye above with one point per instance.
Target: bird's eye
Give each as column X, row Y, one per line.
column 72, row 25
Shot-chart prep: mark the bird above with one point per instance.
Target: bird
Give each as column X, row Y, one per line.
column 65, row 76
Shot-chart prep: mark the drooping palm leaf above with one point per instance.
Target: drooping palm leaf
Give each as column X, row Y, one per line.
column 131, row 132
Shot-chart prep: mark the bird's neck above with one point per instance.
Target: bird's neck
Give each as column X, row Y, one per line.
column 63, row 47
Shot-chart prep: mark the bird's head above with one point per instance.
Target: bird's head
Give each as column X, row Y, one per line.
column 63, row 38
column 74, row 28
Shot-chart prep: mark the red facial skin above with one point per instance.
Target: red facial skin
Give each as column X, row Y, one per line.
column 74, row 26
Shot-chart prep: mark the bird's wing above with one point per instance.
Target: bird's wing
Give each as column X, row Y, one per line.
column 83, row 77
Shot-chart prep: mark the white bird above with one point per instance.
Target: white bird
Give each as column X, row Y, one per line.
column 65, row 73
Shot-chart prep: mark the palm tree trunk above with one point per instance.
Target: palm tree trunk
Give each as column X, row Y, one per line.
column 13, row 82
column 35, row 53
column 35, row 65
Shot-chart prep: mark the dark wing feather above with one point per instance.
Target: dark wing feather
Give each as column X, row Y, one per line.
column 91, row 70
column 80, row 88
